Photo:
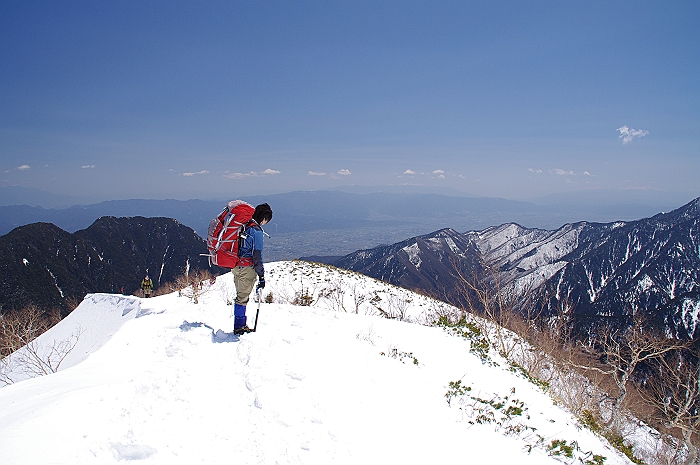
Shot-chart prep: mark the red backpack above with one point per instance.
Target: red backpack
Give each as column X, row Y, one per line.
column 224, row 231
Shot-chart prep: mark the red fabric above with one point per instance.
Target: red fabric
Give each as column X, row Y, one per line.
column 224, row 250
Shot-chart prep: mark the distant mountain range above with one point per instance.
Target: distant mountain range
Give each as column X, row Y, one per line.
column 42, row 264
column 592, row 270
column 301, row 212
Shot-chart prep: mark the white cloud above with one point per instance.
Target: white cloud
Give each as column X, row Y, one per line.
column 314, row 173
column 344, row 172
column 240, row 175
column 561, row 172
column 195, row 173
column 438, row 172
column 531, row 170
column 24, row 167
column 409, row 172
column 85, row 167
column 628, row 134
column 252, row 174
column 586, row 173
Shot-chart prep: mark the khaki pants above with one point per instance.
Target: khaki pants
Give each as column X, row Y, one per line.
column 244, row 277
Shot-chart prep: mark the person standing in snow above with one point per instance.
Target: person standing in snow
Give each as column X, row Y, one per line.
column 250, row 265
column 147, row 286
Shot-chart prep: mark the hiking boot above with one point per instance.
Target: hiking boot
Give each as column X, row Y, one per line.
column 242, row 330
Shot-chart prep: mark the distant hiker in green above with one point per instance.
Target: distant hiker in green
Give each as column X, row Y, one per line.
column 250, row 265
column 147, row 286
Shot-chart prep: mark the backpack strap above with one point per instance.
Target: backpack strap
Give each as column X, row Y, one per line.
column 245, row 261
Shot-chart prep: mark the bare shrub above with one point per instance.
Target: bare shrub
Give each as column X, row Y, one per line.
column 483, row 296
column 18, row 329
column 334, row 294
column 347, row 296
column 402, row 356
column 228, row 293
column 592, row 380
column 441, row 311
column 191, row 285
column 304, row 297
column 22, row 356
column 395, row 307
column 366, row 335
column 358, row 297
column 675, row 395
column 617, row 353
column 72, row 303
column 343, row 296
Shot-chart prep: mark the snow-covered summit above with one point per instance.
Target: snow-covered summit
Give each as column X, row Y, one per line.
column 164, row 381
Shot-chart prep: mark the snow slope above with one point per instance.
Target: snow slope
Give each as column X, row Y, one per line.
column 164, row 381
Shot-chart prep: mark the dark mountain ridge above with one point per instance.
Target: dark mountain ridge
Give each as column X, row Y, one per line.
column 44, row 265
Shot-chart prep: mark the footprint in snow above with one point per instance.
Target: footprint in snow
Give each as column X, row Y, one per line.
column 243, row 353
column 294, row 376
column 132, row 451
column 222, row 336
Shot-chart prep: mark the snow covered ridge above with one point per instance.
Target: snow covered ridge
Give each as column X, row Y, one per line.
column 164, row 381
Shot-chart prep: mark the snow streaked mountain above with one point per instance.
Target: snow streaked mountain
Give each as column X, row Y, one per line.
column 427, row 263
column 163, row 381
column 650, row 265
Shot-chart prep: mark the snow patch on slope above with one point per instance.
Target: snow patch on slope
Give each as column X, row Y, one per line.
column 413, row 252
column 516, row 246
column 690, row 311
column 529, row 281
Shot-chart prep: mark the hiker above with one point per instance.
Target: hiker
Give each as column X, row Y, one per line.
column 250, row 265
column 147, row 285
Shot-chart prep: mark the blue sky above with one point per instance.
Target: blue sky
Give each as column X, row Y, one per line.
column 214, row 99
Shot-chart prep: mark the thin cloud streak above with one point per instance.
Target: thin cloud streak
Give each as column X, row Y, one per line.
column 561, row 172
column 196, row 173
column 252, row 174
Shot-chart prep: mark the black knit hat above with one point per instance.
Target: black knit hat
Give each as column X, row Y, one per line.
column 262, row 212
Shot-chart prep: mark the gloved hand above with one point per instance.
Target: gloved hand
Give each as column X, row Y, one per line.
column 261, row 283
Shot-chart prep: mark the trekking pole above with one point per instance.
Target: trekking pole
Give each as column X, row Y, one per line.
column 257, row 294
